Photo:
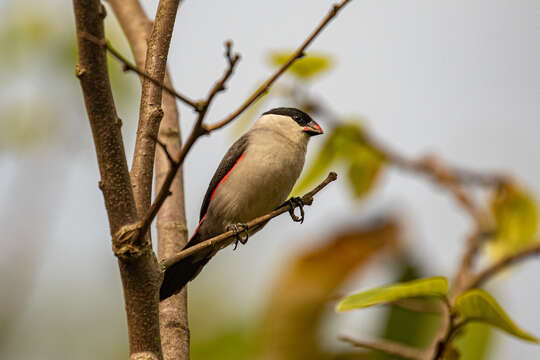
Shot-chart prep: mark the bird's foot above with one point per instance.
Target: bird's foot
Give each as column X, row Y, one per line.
column 238, row 229
column 296, row 201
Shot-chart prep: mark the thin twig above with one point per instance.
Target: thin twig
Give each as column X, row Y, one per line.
column 227, row 236
column 165, row 150
column 437, row 171
column 128, row 66
column 388, row 347
column 295, row 56
column 502, row 264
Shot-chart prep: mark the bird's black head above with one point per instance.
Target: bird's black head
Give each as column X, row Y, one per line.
column 301, row 118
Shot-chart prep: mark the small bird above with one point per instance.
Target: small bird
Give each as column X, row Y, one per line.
column 254, row 177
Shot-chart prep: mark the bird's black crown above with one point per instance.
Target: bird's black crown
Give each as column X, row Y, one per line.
column 297, row 115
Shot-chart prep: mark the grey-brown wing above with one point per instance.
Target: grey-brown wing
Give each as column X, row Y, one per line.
column 225, row 166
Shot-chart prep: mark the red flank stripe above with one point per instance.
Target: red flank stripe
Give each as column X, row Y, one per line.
column 226, row 176
column 197, row 229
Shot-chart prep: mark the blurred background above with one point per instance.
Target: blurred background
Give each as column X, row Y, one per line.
column 458, row 79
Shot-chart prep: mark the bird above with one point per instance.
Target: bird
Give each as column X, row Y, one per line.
column 255, row 176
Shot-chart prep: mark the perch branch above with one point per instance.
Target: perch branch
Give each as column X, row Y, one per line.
column 227, row 236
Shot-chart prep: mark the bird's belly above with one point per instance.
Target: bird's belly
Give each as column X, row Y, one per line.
column 257, row 186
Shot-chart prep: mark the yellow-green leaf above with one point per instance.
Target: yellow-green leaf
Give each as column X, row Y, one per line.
column 344, row 143
column 479, row 305
column 305, row 68
column 323, row 160
column 364, row 170
column 516, row 219
column 473, row 343
column 428, row 287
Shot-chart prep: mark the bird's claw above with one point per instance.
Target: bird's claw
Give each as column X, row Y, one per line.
column 296, row 202
column 238, row 229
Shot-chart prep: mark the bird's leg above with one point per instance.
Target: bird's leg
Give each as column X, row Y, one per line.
column 238, row 229
column 296, row 201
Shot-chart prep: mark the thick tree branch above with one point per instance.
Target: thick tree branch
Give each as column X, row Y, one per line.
column 388, row 347
column 172, row 234
column 140, row 277
column 171, row 220
column 136, row 26
column 151, row 113
column 217, row 241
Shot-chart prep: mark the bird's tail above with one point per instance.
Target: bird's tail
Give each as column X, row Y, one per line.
column 180, row 273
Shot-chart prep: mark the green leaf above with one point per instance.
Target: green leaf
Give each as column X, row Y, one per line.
column 474, row 341
column 516, row 219
column 231, row 343
column 346, row 144
column 305, row 68
column 428, row 287
column 478, row 305
column 364, row 171
column 322, row 162
column 412, row 328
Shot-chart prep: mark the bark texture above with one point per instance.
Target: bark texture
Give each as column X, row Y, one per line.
column 140, row 275
column 151, row 112
column 171, row 221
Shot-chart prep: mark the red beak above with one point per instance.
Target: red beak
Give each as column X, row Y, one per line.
column 312, row 128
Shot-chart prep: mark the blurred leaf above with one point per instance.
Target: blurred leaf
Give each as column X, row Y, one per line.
column 346, row 144
column 428, row 287
column 290, row 329
column 27, row 124
column 412, row 328
column 319, row 167
column 478, row 305
column 473, row 343
column 363, row 171
column 234, row 343
column 305, row 68
column 516, row 219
